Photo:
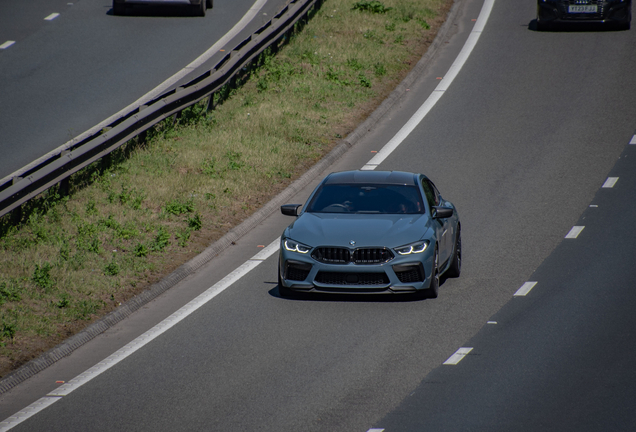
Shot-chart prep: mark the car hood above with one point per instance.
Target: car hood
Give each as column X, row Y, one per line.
column 337, row 229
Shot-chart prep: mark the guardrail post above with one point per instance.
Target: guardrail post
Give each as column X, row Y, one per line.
column 211, row 103
column 105, row 162
column 141, row 138
column 177, row 116
column 16, row 213
column 64, row 184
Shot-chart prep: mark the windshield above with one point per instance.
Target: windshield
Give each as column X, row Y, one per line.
column 367, row 198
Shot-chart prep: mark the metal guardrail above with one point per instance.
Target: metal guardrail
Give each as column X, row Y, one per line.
column 59, row 167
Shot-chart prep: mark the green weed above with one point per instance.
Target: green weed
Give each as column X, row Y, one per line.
column 63, row 302
column 9, row 292
column 111, row 269
column 194, row 222
column 364, row 81
column 162, row 239
column 234, row 161
column 373, row 6
column 141, row 250
column 7, row 330
column 177, row 207
column 42, row 276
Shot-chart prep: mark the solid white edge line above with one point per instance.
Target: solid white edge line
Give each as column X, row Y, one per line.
column 52, row 17
column 27, row 412
column 458, row 356
column 430, row 102
column 525, row 289
column 574, row 232
column 610, row 182
column 161, row 88
column 7, row 44
column 142, row 340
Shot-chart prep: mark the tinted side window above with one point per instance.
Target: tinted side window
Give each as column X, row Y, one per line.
column 429, row 191
column 437, row 195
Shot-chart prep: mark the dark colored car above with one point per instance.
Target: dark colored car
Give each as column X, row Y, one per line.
column 554, row 12
column 198, row 7
column 370, row 232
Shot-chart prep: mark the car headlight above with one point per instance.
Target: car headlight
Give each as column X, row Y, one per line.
column 413, row 248
column 294, row 246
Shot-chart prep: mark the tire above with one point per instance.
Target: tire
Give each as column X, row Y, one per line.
column 543, row 25
column 283, row 291
column 199, row 9
column 119, row 8
column 433, row 290
column 628, row 24
column 209, row 4
column 455, row 268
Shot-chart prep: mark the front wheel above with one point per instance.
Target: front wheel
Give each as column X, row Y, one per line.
column 283, row 291
column 542, row 26
column 456, row 264
column 433, row 290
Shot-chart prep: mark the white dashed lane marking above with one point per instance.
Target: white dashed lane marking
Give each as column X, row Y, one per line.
column 52, row 17
column 610, row 182
column 7, row 44
column 458, row 356
column 525, row 289
column 574, row 232
column 633, row 141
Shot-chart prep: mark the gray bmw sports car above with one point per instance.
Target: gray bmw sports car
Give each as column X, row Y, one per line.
column 370, row 232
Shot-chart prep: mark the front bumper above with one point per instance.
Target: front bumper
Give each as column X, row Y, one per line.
column 402, row 274
column 607, row 11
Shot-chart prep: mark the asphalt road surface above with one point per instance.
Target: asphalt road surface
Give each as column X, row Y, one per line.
column 522, row 142
column 73, row 64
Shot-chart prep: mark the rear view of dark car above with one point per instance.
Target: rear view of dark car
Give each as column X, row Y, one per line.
column 617, row 13
column 197, row 7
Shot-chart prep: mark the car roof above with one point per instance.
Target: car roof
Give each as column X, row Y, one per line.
column 377, row 177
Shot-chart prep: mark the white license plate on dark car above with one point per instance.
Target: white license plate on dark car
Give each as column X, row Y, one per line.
column 582, row 9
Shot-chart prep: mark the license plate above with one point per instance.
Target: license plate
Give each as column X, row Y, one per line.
column 582, row 9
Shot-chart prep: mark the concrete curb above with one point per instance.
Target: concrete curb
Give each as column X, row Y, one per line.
column 74, row 342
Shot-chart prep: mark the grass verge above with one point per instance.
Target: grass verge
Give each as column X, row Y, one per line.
column 127, row 223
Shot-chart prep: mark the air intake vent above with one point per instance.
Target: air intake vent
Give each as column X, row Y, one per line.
column 338, row 255
column 335, row 278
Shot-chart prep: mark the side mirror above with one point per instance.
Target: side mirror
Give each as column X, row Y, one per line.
column 290, row 209
column 442, row 212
